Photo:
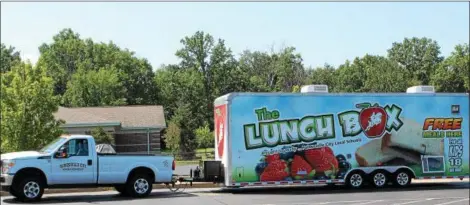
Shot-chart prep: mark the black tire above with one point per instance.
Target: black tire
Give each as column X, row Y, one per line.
column 139, row 185
column 355, row 180
column 402, row 178
column 379, row 179
column 29, row 189
column 13, row 192
column 121, row 189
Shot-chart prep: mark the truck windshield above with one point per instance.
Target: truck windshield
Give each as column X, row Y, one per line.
column 50, row 147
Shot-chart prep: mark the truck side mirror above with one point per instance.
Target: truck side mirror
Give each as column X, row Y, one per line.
column 61, row 153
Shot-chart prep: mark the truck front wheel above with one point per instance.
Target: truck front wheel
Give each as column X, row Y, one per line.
column 29, row 189
column 139, row 186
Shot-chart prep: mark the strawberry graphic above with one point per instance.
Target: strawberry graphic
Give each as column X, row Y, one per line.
column 219, row 120
column 272, row 157
column 372, row 120
column 300, row 169
column 275, row 171
column 322, row 159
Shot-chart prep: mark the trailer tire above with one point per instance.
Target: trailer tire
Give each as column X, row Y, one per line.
column 29, row 189
column 379, row 178
column 402, row 178
column 355, row 180
column 139, row 185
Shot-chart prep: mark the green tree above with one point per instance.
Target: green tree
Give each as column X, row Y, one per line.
column 173, row 137
column 95, row 88
column 384, row 75
column 350, row 77
column 27, row 107
column 217, row 66
column 418, row 56
column 204, row 137
column 322, row 76
column 68, row 53
column 101, row 136
column 9, row 57
column 452, row 75
column 275, row 71
column 371, row 73
column 296, row 89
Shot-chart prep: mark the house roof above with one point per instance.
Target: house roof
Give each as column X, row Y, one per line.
column 127, row 116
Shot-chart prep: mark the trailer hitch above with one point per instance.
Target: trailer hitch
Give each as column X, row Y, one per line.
column 179, row 184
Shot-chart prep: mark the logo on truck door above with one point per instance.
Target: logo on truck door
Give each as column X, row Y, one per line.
column 220, row 115
column 73, row 166
column 271, row 130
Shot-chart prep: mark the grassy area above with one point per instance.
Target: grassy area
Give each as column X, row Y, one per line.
column 182, row 163
column 201, row 154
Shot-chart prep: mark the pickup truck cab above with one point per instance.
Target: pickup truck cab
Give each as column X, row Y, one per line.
column 72, row 161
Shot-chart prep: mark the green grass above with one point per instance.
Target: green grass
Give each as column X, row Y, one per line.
column 201, row 154
column 182, row 163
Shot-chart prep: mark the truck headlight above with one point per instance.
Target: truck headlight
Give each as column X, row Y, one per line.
column 7, row 165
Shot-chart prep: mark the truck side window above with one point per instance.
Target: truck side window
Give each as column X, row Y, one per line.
column 77, row 147
column 82, row 147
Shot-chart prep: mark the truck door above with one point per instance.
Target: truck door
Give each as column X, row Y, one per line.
column 73, row 163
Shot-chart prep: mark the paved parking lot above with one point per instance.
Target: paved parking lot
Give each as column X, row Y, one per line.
column 417, row 194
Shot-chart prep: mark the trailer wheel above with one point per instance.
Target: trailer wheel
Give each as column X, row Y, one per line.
column 402, row 178
column 355, row 180
column 139, row 186
column 379, row 179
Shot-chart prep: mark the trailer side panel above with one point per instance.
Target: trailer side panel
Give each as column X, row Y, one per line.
column 299, row 138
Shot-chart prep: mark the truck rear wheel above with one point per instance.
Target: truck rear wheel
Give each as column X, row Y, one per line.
column 29, row 189
column 121, row 189
column 139, row 185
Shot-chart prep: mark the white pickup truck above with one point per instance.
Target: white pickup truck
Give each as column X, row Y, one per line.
column 71, row 161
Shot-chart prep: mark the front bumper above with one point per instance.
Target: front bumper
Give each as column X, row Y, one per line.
column 6, row 181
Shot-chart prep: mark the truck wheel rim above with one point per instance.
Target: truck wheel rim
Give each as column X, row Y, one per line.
column 356, row 180
column 402, row 179
column 379, row 179
column 141, row 186
column 31, row 190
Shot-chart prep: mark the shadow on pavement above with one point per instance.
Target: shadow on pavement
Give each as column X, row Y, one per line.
column 90, row 198
column 340, row 189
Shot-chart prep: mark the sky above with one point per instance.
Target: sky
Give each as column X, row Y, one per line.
column 323, row 32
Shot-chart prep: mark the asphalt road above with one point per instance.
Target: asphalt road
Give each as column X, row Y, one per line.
column 417, row 194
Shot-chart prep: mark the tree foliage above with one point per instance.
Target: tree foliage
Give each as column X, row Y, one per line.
column 418, row 56
column 173, row 137
column 27, row 107
column 204, row 137
column 68, row 54
column 101, row 136
column 77, row 72
column 94, row 88
column 9, row 57
column 453, row 75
